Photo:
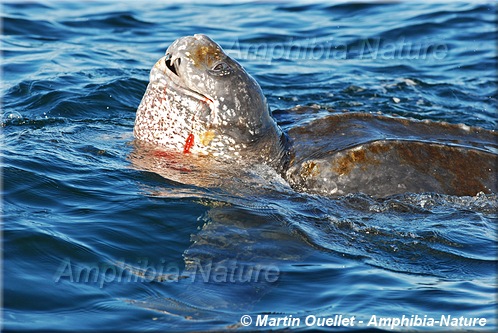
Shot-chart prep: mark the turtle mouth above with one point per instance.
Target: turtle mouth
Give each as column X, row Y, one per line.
column 178, row 82
column 172, row 65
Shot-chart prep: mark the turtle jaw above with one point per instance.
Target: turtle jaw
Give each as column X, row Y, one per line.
column 175, row 81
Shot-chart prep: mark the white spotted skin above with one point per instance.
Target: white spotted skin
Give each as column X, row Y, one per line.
column 165, row 117
column 209, row 97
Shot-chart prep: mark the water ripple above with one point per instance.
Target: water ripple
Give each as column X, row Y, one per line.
column 73, row 201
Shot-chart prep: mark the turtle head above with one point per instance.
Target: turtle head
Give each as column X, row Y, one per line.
column 200, row 100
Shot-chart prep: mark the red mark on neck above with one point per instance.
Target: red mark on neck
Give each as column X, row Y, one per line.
column 189, row 143
column 164, row 154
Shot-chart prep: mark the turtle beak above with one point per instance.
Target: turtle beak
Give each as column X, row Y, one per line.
column 172, row 64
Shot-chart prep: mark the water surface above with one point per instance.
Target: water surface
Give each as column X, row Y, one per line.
column 74, row 202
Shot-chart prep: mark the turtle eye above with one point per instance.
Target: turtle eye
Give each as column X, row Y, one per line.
column 221, row 69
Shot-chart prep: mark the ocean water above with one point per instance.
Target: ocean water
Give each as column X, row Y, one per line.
column 91, row 242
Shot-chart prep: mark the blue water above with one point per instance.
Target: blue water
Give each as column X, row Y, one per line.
column 90, row 242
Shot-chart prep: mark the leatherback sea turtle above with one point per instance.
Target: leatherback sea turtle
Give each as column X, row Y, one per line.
column 202, row 102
